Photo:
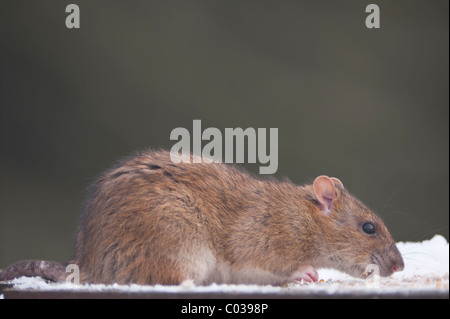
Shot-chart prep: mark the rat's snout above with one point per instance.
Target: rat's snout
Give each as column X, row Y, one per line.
column 395, row 261
column 388, row 261
column 399, row 267
column 397, row 264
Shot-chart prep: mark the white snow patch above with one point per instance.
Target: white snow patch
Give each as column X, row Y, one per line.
column 426, row 270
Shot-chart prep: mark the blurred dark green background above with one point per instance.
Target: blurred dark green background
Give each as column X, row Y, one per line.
column 368, row 106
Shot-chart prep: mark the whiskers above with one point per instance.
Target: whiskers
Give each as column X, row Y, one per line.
column 387, row 203
column 415, row 255
column 422, row 236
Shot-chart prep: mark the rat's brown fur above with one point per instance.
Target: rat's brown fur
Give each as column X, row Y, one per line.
column 150, row 221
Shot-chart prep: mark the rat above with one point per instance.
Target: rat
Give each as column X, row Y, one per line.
column 151, row 221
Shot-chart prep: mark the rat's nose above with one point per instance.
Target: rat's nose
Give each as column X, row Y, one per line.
column 398, row 267
column 396, row 260
column 398, row 264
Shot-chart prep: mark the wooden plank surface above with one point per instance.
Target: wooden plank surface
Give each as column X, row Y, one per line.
column 9, row 292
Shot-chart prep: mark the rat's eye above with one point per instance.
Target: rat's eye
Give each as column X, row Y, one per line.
column 368, row 228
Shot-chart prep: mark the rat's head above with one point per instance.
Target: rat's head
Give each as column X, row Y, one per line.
column 356, row 237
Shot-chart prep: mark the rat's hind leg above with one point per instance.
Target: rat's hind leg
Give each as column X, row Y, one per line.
column 176, row 251
column 197, row 263
column 188, row 261
column 183, row 242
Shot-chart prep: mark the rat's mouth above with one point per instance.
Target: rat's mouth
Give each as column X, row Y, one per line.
column 372, row 270
column 367, row 271
column 385, row 265
column 375, row 265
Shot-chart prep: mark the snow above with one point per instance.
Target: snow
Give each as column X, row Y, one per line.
column 426, row 271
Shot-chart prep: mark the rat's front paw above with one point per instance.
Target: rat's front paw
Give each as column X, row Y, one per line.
column 307, row 273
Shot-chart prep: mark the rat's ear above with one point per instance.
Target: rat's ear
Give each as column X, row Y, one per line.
column 337, row 181
column 325, row 192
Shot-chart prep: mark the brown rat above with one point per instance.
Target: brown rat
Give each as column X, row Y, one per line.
column 150, row 221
